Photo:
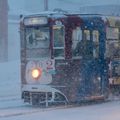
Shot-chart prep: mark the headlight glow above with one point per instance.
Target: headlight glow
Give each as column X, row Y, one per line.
column 36, row 73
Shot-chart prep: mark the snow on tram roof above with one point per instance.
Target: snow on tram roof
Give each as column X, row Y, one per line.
column 46, row 13
column 59, row 14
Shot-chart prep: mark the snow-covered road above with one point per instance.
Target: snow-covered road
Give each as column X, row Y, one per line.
column 104, row 111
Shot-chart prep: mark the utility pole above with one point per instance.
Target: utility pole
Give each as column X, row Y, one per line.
column 3, row 30
column 46, row 5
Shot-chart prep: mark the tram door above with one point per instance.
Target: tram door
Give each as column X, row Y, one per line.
column 87, row 48
column 90, row 65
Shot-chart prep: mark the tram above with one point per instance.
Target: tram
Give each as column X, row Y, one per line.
column 63, row 58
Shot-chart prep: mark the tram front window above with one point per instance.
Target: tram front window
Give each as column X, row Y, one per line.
column 37, row 39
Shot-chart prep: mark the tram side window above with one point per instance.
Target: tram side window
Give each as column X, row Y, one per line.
column 58, row 45
column 95, row 44
column 82, row 46
column 76, row 39
column 116, row 70
column 112, row 43
column 87, row 45
column 86, row 35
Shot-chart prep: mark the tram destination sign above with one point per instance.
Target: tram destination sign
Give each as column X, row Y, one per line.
column 35, row 20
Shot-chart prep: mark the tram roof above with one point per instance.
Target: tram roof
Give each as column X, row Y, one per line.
column 50, row 13
column 47, row 14
column 111, row 20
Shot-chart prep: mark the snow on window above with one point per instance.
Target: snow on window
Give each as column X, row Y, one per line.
column 37, row 42
column 37, row 37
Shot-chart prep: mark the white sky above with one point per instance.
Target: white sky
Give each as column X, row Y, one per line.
column 70, row 4
column 93, row 2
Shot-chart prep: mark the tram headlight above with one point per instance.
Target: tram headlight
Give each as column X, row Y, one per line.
column 36, row 73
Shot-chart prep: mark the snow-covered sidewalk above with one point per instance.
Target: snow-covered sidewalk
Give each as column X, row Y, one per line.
column 9, row 79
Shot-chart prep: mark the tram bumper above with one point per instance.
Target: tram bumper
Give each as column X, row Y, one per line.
column 42, row 95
